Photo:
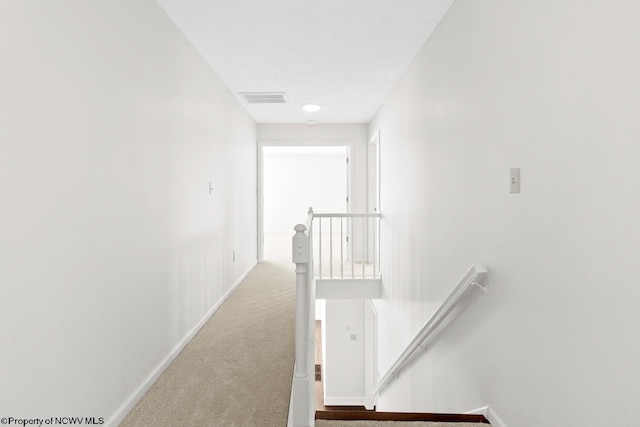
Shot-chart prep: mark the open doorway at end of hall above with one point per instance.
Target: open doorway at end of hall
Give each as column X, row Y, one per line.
column 293, row 178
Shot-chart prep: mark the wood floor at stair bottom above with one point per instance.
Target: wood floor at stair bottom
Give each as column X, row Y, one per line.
column 399, row 416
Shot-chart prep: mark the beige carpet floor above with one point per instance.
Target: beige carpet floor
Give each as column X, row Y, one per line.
column 327, row 423
column 237, row 370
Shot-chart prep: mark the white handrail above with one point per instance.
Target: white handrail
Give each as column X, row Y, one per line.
column 476, row 276
column 303, row 385
column 348, row 215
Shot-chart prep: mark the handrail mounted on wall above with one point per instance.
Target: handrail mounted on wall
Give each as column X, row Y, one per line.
column 476, row 276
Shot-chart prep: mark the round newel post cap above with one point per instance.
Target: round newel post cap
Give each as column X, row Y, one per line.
column 310, row 210
column 300, row 228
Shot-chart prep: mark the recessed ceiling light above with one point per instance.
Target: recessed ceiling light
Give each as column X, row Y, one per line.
column 311, row 108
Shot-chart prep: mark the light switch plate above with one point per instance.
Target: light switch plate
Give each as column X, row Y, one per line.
column 514, row 180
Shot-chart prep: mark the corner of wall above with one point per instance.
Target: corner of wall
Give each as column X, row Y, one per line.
column 493, row 418
column 479, row 411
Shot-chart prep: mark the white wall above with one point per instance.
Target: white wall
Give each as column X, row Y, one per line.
column 112, row 249
column 344, row 352
column 551, row 87
column 298, row 177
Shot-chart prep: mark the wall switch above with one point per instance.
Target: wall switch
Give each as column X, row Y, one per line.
column 354, row 337
column 234, row 256
column 514, row 180
column 210, row 188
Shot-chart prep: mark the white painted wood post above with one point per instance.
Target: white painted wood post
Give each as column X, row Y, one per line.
column 301, row 259
column 301, row 391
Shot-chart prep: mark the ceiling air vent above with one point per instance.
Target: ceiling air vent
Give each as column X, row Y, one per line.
column 264, row 97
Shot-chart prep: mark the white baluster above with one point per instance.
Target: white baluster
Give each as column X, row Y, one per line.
column 351, row 247
column 363, row 246
column 341, row 256
column 320, row 247
column 331, row 248
column 374, row 244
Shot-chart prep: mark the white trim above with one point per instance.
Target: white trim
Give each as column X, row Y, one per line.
column 120, row 414
column 290, row 416
column 305, row 142
column 373, row 205
column 479, row 411
column 374, row 140
column 347, row 215
column 370, row 354
column 344, row 401
column 260, row 203
column 489, row 414
column 494, row 419
column 348, row 289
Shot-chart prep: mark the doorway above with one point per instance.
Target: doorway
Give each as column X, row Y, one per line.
column 291, row 179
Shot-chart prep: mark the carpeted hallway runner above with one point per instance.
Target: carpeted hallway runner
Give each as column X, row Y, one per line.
column 237, row 370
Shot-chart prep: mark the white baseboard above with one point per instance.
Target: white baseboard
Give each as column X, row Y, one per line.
column 135, row 397
column 290, row 415
column 489, row 414
column 344, row 401
column 484, row 411
column 494, row 419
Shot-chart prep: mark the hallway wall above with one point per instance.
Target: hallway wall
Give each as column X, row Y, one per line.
column 111, row 248
column 550, row 87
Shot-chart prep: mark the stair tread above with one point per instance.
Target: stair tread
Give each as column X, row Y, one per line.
column 370, row 423
column 364, row 415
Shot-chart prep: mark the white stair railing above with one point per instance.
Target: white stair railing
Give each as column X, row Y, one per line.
column 348, row 245
column 476, row 276
column 366, row 229
column 303, row 386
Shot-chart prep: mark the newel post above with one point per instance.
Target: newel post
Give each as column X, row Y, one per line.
column 301, row 259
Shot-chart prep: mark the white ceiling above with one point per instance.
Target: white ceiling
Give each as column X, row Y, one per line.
column 345, row 55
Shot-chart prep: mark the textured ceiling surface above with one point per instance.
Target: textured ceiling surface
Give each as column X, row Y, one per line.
column 345, row 55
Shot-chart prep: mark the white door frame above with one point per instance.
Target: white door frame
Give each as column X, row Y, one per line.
column 374, row 144
column 371, row 374
column 373, row 186
column 294, row 143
